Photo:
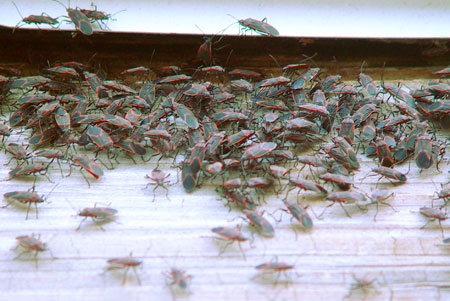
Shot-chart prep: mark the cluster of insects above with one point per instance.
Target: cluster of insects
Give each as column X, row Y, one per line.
column 239, row 130
column 83, row 19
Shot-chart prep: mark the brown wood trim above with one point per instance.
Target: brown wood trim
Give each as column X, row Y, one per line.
column 404, row 59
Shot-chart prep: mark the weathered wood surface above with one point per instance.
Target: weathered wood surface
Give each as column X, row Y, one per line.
column 407, row 262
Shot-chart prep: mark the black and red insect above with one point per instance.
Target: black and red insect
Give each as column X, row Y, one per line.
column 230, row 235
column 261, row 224
column 28, row 198
column 30, row 169
column 434, row 214
column 390, row 173
column 97, row 16
column 380, row 196
column 261, row 27
column 274, row 270
column 88, row 165
column 345, row 197
column 368, row 84
column 125, row 263
column 363, row 285
column 99, row 215
column 81, row 22
column 100, row 138
column 384, row 154
column 423, row 154
column 342, row 181
column 177, row 278
column 137, row 71
column 159, row 180
column 299, row 213
column 36, row 19
column 307, row 185
column 31, row 243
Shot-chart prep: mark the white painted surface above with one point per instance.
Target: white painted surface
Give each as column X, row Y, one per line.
column 406, row 261
column 308, row 18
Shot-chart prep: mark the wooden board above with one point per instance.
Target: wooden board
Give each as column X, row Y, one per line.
column 404, row 261
column 397, row 59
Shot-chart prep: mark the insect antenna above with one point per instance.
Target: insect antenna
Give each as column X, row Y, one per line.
column 17, row 11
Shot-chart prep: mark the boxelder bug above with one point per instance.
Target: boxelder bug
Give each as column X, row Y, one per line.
column 256, row 151
column 342, row 181
column 390, row 174
column 423, row 152
column 261, row 224
column 97, row 214
column 379, row 196
column 98, row 16
column 296, row 181
column 89, row 165
column 433, row 214
column 30, row 243
column 384, row 154
column 261, row 27
column 344, row 197
column 80, row 21
column 26, row 197
column 18, row 151
column 274, row 268
column 178, row 278
column 30, row 169
column 362, row 285
column 237, row 196
column 159, row 178
column 367, row 83
column 125, row 263
column 230, row 235
column 444, row 194
column 299, row 213
column 35, row 19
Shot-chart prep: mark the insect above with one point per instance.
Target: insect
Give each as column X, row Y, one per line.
column 261, row 27
column 97, row 214
column 159, row 177
column 362, row 285
column 31, row 243
column 178, row 278
column 98, row 16
column 423, row 152
column 125, row 263
column 297, row 212
column 274, row 268
column 18, row 151
column 390, row 174
column 80, row 21
column 347, row 129
column 434, row 214
column 35, row 19
column 256, row 151
column 344, row 197
column 237, row 196
column 379, row 196
column 89, row 165
column 343, row 182
column 259, row 222
column 26, row 197
column 230, row 235
column 444, row 194
column 367, row 83
column 30, row 169
column 305, row 185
